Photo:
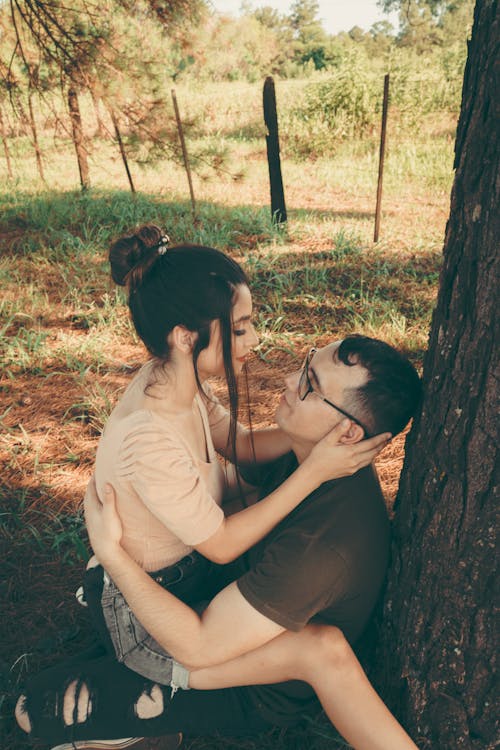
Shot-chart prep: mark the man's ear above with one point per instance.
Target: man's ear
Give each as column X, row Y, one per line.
column 352, row 433
column 182, row 339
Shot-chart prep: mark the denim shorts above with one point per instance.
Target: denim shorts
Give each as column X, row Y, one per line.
column 191, row 579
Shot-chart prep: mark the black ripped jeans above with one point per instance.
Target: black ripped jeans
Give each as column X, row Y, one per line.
column 108, row 701
column 116, row 699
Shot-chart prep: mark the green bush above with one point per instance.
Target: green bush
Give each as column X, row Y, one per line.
column 347, row 105
column 334, row 109
column 436, row 86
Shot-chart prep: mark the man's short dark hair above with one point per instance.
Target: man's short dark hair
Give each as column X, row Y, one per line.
column 393, row 391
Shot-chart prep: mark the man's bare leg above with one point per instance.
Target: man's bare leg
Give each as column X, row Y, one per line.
column 321, row 656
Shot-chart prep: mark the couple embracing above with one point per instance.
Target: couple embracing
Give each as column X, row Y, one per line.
column 228, row 595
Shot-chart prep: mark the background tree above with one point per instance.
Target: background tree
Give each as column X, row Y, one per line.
column 279, row 24
column 233, row 49
column 118, row 51
column 7, row 83
column 23, row 82
column 66, row 43
column 427, row 23
column 311, row 40
column 438, row 650
column 382, row 38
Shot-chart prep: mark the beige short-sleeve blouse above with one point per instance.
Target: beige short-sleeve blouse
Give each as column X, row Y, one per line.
column 168, row 499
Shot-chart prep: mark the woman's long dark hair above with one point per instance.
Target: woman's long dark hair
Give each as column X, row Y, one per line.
column 188, row 285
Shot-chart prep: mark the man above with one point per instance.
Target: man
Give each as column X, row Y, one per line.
column 322, row 566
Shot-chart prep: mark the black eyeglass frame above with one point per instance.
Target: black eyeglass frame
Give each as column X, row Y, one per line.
column 305, row 382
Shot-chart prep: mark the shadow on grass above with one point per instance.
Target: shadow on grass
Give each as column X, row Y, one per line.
column 73, row 219
column 302, row 214
column 346, row 286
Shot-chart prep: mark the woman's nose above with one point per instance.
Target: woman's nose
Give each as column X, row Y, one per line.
column 254, row 339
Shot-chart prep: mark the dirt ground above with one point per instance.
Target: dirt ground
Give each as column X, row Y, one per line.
column 55, row 452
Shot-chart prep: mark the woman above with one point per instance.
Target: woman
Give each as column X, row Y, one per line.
column 192, row 308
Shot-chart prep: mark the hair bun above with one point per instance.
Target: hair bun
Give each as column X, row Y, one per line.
column 131, row 256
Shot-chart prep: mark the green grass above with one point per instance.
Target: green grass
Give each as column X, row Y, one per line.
column 63, row 273
column 419, row 150
column 24, row 520
column 61, row 226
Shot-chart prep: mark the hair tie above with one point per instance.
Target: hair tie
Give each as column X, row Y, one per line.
column 162, row 245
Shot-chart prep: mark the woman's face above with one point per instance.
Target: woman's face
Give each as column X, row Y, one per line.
column 244, row 338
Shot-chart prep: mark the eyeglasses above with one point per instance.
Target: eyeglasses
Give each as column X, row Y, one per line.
column 306, row 387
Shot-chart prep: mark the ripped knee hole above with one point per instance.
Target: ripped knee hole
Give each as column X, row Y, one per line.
column 77, row 703
column 149, row 705
column 22, row 716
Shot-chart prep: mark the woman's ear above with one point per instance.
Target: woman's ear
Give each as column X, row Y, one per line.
column 352, row 433
column 182, row 339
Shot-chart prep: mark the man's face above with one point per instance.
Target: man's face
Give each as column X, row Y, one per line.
column 311, row 419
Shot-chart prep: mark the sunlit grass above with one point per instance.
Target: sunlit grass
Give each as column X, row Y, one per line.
column 59, row 306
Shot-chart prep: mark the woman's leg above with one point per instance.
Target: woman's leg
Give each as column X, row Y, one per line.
column 321, row 656
column 97, row 698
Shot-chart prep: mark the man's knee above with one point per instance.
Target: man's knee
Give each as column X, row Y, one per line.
column 21, row 715
column 332, row 647
column 76, row 706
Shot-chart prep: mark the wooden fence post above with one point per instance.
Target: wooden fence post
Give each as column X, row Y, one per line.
column 385, row 107
column 184, row 152
column 278, row 207
column 78, row 139
column 114, row 120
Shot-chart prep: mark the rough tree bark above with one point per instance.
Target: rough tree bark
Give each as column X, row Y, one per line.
column 438, row 647
column 78, row 139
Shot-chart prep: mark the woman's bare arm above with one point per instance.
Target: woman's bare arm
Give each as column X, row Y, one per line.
column 329, row 459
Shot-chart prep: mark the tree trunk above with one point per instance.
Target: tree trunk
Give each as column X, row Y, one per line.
column 101, row 131
column 438, row 646
column 78, row 139
column 3, row 134
column 34, row 133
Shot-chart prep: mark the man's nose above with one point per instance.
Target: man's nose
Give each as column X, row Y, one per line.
column 292, row 381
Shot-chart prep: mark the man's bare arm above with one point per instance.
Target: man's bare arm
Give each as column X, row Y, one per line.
column 228, row 627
